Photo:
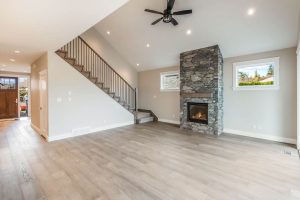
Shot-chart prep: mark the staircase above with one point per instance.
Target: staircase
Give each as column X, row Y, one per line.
column 91, row 65
column 144, row 116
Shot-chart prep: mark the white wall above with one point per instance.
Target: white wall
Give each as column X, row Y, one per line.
column 266, row 114
column 111, row 56
column 76, row 106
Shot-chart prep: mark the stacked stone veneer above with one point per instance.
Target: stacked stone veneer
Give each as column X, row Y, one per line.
column 201, row 81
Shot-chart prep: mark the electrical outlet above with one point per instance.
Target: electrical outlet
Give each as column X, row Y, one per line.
column 287, row 152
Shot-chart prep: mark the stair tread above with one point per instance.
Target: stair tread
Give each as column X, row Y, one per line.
column 142, row 115
column 69, row 58
column 63, row 51
column 76, row 65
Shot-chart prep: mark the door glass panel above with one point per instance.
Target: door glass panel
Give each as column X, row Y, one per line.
column 7, row 83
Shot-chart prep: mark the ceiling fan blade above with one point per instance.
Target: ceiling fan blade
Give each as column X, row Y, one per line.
column 170, row 4
column 153, row 11
column 174, row 22
column 183, row 12
column 156, row 21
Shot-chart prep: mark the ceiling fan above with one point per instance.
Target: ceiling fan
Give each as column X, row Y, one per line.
column 167, row 15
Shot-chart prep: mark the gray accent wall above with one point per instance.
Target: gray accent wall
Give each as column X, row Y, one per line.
column 269, row 113
column 164, row 104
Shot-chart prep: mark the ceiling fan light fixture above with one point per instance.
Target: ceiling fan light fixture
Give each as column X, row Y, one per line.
column 167, row 14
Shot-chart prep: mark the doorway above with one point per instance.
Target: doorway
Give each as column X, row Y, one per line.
column 43, row 104
column 8, row 97
column 24, row 96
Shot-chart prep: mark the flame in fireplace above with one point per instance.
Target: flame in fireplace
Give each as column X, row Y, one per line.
column 200, row 116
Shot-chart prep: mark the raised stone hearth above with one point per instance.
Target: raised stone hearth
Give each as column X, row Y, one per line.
column 201, row 81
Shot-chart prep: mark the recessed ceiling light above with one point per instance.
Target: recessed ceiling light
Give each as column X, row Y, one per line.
column 17, row 51
column 12, row 60
column 189, row 32
column 108, row 32
column 137, row 64
column 251, row 11
column 147, row 45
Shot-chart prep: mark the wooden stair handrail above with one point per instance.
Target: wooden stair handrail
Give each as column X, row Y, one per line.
column 105, row 62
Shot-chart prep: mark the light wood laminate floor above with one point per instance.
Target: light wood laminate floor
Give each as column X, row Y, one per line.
column 143, row 162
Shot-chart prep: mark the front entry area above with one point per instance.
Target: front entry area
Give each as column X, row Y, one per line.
column 8, row 97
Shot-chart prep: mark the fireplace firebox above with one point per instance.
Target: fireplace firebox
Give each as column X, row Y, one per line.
column 197, row 112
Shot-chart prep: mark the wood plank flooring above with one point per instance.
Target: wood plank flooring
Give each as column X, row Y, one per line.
column 144, row 162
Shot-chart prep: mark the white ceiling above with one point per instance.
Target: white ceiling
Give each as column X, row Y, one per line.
column 36, row 26
column 225, row 22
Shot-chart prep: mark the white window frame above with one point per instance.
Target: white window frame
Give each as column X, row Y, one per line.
column 162, row 89
column 239, row 65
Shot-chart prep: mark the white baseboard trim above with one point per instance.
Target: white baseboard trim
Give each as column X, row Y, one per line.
column 35, row 128
column 169, row 121
column 94, row 130
column 260, row 136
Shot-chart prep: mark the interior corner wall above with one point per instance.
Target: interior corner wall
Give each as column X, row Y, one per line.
column 39, row 65
column 111, row 56
column 165, row 105
column 267, row 113
column 76, row 105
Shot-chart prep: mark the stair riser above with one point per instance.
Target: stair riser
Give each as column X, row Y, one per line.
column 139, row 116
column 71, row 62
column 93, row 80
column 79, row 69
column 145, row 120
column 87, row 75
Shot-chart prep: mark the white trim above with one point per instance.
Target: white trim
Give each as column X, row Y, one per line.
column 35, row 128
column 45, row 109
column 95, row 130
column 298, row 97
column 244, row 64
column 169, row 121
column 261, row 136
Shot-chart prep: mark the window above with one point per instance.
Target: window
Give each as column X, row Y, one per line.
column 169, row 81
column 7, row 83
column 256, row 75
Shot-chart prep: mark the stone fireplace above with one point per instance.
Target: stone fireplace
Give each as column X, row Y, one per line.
column 201, row 90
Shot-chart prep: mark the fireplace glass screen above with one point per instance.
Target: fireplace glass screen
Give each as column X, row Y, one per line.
column 198, row 112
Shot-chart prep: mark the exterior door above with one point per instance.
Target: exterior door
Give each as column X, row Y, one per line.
column 8, row 97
